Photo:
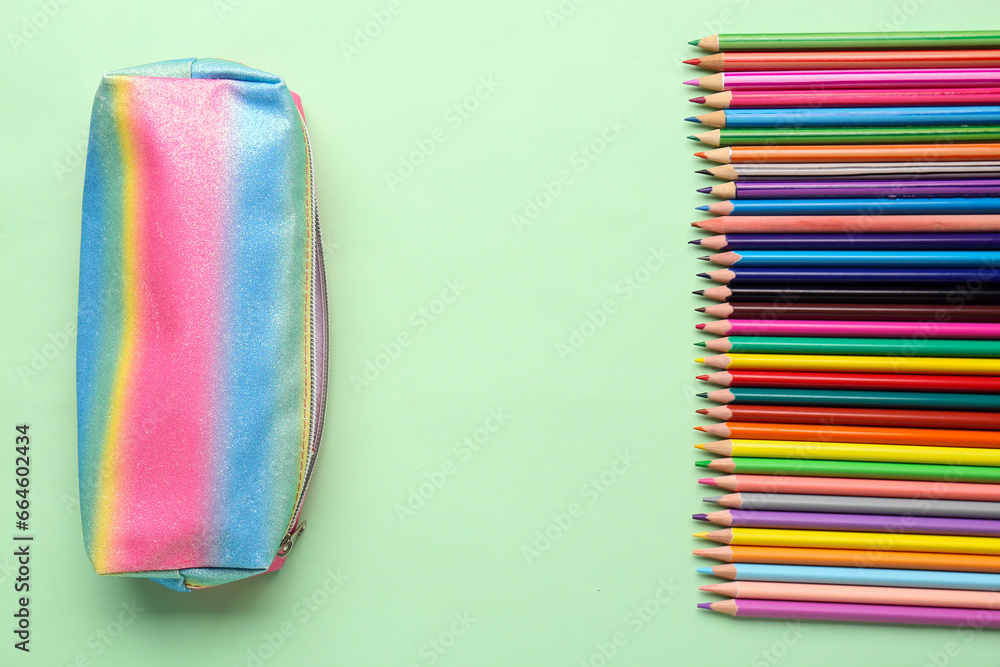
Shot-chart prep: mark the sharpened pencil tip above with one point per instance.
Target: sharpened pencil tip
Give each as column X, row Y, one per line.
column 699, row 292
column 701, row 464
column 706, row 172
column 702, row 155
column 700, row 360
column 711, row 499
column 692, row 61
column 695, row 242
column 702, row 395
column 693, row 138
column 698, row 100
column 705, row 605
column 699, row 446
column 705, row 258
column 700, row 310
column 691, row 82
column 705, row 570
column 700, row 517
column 705, row 191
column 694, row 42
column 701, row 208
column 699, row 326
column 693, row 119
column 703, row 378
column 702, row 411
column 708, row 481
column 703, row 535
column 704, row 275
column 701, row 343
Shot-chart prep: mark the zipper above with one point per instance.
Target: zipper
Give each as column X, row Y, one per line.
column 318, row 356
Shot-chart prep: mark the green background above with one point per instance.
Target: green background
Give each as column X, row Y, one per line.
column 574, row 107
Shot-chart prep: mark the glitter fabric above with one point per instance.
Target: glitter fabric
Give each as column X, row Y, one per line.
column 201, row 345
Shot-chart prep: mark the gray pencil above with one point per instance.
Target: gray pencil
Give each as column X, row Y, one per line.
column 794, row 502
column 851, row 170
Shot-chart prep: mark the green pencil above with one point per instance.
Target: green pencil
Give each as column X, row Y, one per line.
column 822, row 41
column 847, row 135
column 857, row 346
column 867, row 469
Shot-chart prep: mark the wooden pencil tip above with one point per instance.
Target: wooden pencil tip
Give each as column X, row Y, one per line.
column 700, row 360
column 701, row 343
column 699, row 446
column 704, row 275
column 701, row 464
column 693, row 138
column 706, row 258
column 705, row 605
column 700, row 517
column 702, row 395
column 698, row 100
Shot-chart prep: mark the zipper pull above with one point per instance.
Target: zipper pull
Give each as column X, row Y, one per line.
column 290, row 539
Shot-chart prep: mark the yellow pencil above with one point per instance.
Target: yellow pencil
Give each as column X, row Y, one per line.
column 854, row 364
column 835, row 539
column 854, row 451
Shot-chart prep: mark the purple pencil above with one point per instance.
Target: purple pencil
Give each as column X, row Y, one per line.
column 874, row 523
column 808, row 80
column 818, row 189
column 870, row 613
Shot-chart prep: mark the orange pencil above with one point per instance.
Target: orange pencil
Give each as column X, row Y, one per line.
column 853, row 153
column 905, row 560
column 830, row 433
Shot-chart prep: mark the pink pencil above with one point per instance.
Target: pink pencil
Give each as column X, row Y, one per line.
column 834, row 79
column 842, row 224
column 849, row 328
column 925, row 597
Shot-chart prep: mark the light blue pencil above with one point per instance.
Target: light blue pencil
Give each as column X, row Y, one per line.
column 810, row 574
column 850, row 117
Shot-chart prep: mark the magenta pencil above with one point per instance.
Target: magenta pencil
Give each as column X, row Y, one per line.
column 852, row 328
column 866, row 613
column 848, row 224
column 952, row 77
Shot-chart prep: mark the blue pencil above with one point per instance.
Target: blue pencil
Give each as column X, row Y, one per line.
column 860, row 258
column 866, row 206
column 850, row 117
column 862, row 576
column 968, row 279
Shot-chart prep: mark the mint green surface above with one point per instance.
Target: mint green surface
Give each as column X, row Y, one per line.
column 506, row 191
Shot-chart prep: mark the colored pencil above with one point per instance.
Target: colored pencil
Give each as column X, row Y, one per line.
column 951, row 383
column 866, row 595
column 907, row 365
column 858, row 576
column 871, row 523
column 853, row 153
column 851, row 170
column 858, row 613
column 917, row 344
column 895, row 242
column 855, row 478
column 793, row 502
column 759, row 61
column 850, row 328
column 816, row 136
column 853, row 451
column 826, row 188
column 885, row 435
column 872, row 97
column 838, row 79
column 886, row 312
column 852, row 416
column 848, row 117
column 844, row 539
column 811, row 275
column 854, row 206
column 958, row 296
column 854, row 558
column 849, row 224
column 836, row 397
column 963, row 39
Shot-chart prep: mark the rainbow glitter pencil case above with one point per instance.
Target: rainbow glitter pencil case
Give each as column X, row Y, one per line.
column 202, row 336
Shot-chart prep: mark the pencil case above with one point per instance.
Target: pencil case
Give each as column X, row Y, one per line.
column 202, row 331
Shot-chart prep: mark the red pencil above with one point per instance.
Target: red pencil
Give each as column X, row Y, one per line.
column 854, row 416
column 955, row 383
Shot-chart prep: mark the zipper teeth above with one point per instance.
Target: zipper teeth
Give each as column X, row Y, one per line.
column 317, row 391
